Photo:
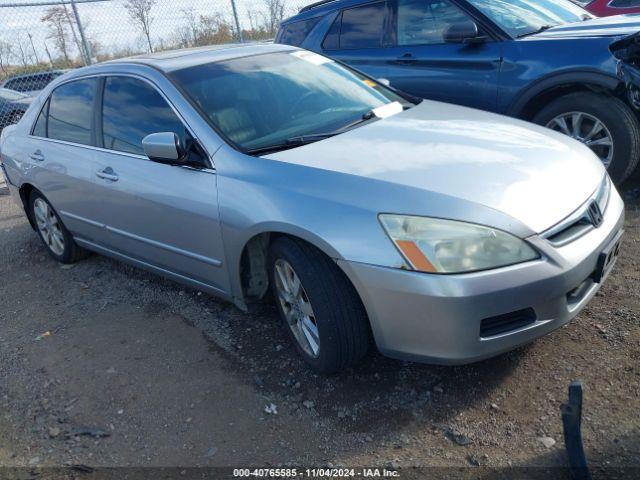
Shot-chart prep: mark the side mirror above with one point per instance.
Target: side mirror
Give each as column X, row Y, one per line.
column 463, row 32
column 164, row 147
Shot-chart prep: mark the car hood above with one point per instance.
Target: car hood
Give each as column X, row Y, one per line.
column 616, row 26
column 530, row 173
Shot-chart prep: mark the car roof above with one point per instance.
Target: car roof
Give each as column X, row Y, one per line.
column 172, row 60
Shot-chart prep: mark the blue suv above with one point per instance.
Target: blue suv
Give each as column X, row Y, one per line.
column 546, row 61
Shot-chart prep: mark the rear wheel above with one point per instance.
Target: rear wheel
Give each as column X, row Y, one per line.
column 52, row 232
column 320, row 308
column 603, row 123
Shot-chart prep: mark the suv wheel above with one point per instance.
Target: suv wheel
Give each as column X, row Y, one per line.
column 52, row 231
column 603, row 123
column 320, row 308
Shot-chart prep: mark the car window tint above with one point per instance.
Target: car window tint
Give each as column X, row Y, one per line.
column 40, row 128
column 332, row 40
column 71, row 111
column 133, row 109
column 296, row 33
column 363, row 27
column 624, row 3
column 12, row 85
column 423, row 22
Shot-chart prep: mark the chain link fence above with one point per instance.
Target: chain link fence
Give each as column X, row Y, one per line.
column 39, row 40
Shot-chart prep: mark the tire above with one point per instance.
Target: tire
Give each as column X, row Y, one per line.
column 615, row 115
column 338, row 313
column 69, row 251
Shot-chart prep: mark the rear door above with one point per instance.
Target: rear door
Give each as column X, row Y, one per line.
column 164, row 216
column 423, row 64
column 61, row 155
column 357, row 36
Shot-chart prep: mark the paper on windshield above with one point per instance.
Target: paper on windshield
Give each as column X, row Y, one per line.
column 388, row 110
column 311, row 57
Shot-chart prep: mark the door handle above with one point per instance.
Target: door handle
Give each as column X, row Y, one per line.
column 406, row 59
column 108, row 174
column 37, row 156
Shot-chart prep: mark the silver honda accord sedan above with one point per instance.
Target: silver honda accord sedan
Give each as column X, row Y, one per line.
column 444, row 234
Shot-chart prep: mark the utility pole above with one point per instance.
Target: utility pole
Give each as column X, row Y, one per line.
column 33, row 48
column 85, row 45
column 235, row 16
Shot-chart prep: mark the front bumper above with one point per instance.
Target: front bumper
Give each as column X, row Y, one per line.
column 437, row 318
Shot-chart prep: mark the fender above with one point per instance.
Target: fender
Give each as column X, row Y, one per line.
column 553, row 80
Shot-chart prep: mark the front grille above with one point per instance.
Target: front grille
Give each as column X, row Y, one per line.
column 490, row 327
column 579, row 222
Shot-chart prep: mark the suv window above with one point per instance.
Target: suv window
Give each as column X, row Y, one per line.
column 296, row 33
column 71, row 111
column 423, row 22
column 133, row 109
column 361, row 27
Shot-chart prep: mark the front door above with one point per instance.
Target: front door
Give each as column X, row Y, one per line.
column 423, row 64
column 162, row 215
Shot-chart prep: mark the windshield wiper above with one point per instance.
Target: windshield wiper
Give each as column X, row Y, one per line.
column 301, row 140
column 539, row 30
column 289, row 143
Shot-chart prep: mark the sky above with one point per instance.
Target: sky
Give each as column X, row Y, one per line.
column 109, row 23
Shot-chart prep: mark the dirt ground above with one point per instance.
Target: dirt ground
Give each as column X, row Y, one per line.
column 102, row 364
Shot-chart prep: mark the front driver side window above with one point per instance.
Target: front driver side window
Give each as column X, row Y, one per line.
column 133, row 109
column 423, row 22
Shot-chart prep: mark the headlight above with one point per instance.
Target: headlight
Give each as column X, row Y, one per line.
column 446, row 246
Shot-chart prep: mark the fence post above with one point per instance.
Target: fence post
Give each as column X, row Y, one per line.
column 235, row 16
column 85, row 45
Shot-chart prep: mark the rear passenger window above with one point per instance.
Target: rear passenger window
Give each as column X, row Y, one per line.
column 363, row 27
column 133, row 109
column 71, row 111
column 40, row 128
column 296, row 33
column 332, row 40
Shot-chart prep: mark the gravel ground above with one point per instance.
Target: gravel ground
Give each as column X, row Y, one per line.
column 102, row 364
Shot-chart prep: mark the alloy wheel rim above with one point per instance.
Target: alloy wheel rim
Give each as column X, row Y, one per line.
column 588, row 130
column 49, row 226
column 297, row 308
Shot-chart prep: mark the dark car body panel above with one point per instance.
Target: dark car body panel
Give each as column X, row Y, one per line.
column 500, row 74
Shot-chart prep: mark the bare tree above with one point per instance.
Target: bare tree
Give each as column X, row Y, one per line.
column 274, row 15
column 190, row 32
column 56, row 20
column 6, row 53
column 214, row 29
column 26, row 58
column 140, row 13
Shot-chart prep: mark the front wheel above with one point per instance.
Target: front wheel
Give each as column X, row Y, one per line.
column 319, row 307
column 603, row 123
column 52, row 232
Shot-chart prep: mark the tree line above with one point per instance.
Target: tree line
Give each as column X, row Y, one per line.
column 64, row 48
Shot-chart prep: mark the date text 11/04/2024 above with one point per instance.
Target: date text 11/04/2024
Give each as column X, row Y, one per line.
column 316, row 473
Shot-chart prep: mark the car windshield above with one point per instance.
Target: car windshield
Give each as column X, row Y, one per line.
column 520, row 18
column 264, row 101
column 11, row 95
